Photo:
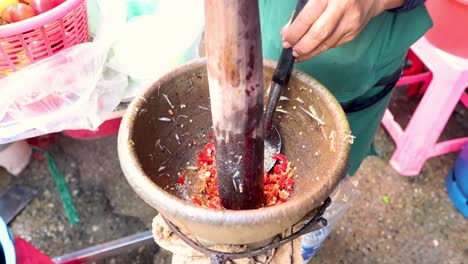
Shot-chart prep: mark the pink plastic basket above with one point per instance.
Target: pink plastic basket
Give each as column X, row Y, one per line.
column 25, row 42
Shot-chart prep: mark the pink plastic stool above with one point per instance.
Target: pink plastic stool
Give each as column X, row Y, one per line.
column 419, row 140
column 415, row 76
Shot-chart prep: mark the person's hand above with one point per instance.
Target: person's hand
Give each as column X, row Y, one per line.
column 325, row 24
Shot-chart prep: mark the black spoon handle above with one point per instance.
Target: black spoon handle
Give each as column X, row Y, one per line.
column 281, row 75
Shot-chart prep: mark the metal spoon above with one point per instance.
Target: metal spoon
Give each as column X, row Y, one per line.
column 280, row 79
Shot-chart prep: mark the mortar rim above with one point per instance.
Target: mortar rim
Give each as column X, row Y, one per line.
column 159, row 199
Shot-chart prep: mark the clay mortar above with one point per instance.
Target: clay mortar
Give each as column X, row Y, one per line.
column 152, row 151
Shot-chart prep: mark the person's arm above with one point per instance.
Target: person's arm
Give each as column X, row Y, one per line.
column 325, row 24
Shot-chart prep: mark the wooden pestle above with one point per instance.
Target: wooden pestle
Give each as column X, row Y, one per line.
column 235, row 75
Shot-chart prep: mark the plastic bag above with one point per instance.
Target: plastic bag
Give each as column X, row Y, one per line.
column 134, row 43
column 153, row 43
column 66, row 90
column 341, row 198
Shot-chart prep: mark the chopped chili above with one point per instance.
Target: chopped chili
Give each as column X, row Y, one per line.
column 283, row 163
column 196, row 200
column 181, row 179
column 278, row 185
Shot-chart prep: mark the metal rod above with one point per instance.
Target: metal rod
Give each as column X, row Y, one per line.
column 106, row 249
column 235, row 75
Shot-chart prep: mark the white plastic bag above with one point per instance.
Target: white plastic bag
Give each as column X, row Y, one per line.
column 80, row 86
column 66, row 90
column 150, row 45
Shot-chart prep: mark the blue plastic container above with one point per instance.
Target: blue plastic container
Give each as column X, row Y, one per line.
column 457, row 182
column 7, row 244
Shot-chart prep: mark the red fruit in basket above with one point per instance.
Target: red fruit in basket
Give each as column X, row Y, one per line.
column 5, row 3
column 17, row 12
column 7, row 14
column 41, row 6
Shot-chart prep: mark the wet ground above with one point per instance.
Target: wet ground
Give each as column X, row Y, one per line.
column 416, row 224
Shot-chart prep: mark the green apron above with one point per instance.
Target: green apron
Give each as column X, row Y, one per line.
column 351, row 71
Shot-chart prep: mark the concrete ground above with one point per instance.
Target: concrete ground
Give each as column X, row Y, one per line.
column 417, row 225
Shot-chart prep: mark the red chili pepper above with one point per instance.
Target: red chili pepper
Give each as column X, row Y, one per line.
column 203, row 159
column 282, row 160
column 209, row 146
column 203, row 156
column 212, row 171
column 282, row 180
column 181, row 179
column 214, row 204
column 196, row 200
column 278, row 168
column 278, row 185
column 209, row 135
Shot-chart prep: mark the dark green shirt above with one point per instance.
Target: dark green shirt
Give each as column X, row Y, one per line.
column 350, row 71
